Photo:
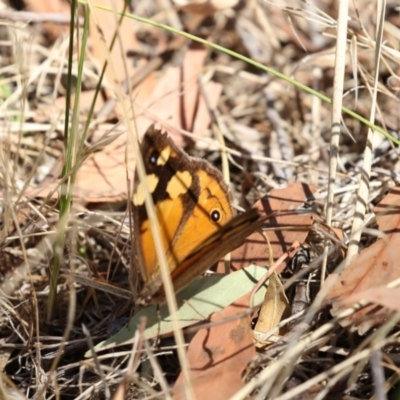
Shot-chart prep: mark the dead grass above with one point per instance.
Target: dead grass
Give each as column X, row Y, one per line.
column 282, row 133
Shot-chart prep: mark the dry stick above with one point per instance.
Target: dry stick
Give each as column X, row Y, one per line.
column 16, row 95
column 279, row 142
column 340, row 58
column 391, row 381
column 330, row 384
column 28, row 16
column 97, row 366
column 315, row 126
column 289, row 252
column 378, row 376
column 216, row 123
column 171, row 14
column 217, row 126
column 158, row 373
column 363, row 190
column 67, row 331
column 136, row 80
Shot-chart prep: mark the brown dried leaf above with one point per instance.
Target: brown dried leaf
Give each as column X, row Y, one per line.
column 384, row 296
column 274, row 307
column 218, row 355
column 127, row 39
column 85, row 102
column 205, row 7
column 103, row 175
column 178, row 101
column 202, row 119
column 191, row 69
column 375, row 266
column 282, row 205
column 53, row 30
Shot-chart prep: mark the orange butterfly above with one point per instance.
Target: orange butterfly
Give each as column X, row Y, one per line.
column 194, row 211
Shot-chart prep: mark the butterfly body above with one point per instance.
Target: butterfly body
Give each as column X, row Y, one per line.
column 193, row 206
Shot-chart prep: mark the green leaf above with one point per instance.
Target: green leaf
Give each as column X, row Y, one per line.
column 196, row 303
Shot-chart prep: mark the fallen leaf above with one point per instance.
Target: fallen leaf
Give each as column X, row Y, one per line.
column 375, row 266
column 197, row 302
column 202, row 119
column 85, row 102
column 103, row 175
column 384, row 296
column 288, row 222
column 53, row 30
column 177, row 100
column 191, row 69
column 204, row 7
column 274, row 307
column 218, row 355
column 127, row 41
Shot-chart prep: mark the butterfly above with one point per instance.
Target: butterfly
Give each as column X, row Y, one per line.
column 195, row 217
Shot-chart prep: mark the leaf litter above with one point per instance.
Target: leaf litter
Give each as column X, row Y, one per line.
column 278, row 146
column 372, row 270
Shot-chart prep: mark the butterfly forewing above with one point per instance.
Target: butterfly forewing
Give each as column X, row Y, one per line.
column 212, row 211
column 228, row 238
column 194, row 212
column 170, row 187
